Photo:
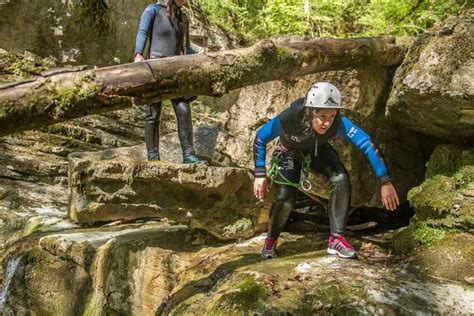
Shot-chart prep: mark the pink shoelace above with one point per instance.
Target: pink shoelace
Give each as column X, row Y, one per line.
column 340, row 239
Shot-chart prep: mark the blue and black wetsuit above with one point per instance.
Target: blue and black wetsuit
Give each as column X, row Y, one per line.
column 294, row 144
column 169, row 36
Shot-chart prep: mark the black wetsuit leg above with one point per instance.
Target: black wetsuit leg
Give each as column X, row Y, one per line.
column 285, row 199
column 329, row 164
column 182, row 109
column 152, row 127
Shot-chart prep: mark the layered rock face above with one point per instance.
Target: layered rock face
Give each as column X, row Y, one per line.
column 114, row 185
column 433, row 89
column 157, row 269
column 33, row 164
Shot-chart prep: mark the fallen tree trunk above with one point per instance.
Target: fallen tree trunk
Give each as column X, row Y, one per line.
column 69, row 93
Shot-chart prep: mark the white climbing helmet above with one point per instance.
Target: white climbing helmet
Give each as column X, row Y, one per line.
column 323, row 95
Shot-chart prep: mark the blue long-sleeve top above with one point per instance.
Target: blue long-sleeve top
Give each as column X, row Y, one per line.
column 287, row 125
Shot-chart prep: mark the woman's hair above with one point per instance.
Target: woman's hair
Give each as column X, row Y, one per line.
column 178, row 22
column 307, row 122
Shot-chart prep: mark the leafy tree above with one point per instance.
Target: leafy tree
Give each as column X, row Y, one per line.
column 255, row 19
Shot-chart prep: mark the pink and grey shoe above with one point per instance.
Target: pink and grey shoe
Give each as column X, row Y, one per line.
column 269, row 249
column 341, row 247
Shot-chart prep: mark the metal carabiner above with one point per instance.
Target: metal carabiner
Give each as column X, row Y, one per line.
column 306, row 185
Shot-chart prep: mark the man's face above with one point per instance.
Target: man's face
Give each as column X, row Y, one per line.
column 180, row 3
column 323, row 120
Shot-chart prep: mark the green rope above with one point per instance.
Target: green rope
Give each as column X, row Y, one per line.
column 274, row 172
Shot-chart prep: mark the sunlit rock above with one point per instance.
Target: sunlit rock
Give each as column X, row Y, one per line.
column 433, row 89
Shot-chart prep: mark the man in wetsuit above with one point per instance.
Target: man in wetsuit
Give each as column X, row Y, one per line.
column 304, row 130
column 167, row 27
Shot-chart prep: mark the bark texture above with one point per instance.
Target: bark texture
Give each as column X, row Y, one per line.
column 68, row 93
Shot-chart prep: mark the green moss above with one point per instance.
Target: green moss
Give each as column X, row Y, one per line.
column 247, row 296
column 31, row 226
column 14, row 67
column 232, row 75
column 68, row 98
column 403, row 241
column 434, row 198
column 427, row 236
column 341, row 298
column 447, row 159
column 445, row 194
column 420, row 236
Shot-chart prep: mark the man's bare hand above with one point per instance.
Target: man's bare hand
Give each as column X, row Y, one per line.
column 389, row 196
column 260, row 187
column 138, row 58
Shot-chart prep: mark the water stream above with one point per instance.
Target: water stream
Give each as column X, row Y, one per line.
column 12, row 266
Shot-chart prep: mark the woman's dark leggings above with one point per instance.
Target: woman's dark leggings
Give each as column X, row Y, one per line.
column 182, row 110
column 330, row 166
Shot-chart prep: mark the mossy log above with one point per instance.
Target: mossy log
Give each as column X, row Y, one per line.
column 69, row 93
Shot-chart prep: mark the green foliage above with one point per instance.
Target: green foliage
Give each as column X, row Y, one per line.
column 253, row 20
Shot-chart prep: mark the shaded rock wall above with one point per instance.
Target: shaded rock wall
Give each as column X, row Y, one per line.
column 65, row 30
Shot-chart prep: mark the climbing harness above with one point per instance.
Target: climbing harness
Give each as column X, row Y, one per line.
column 274, row 171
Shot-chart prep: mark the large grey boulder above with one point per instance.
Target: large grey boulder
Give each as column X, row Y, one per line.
column 433, row 89
column 121, row 185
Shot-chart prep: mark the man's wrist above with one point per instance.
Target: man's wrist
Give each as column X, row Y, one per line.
column 384, row 179
column 260, row 172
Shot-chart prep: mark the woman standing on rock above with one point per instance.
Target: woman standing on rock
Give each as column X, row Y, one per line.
column 304, row 130
column 168, row 29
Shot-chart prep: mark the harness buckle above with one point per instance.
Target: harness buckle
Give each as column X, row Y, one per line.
column 306, row 185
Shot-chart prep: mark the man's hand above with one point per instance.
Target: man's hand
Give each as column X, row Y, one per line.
column 259, row 187
column 389, row 196
column 138, row 58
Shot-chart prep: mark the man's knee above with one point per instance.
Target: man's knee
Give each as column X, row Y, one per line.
column 182, row 108
column 152, row 112
column 286, row 197
column 340, row 180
